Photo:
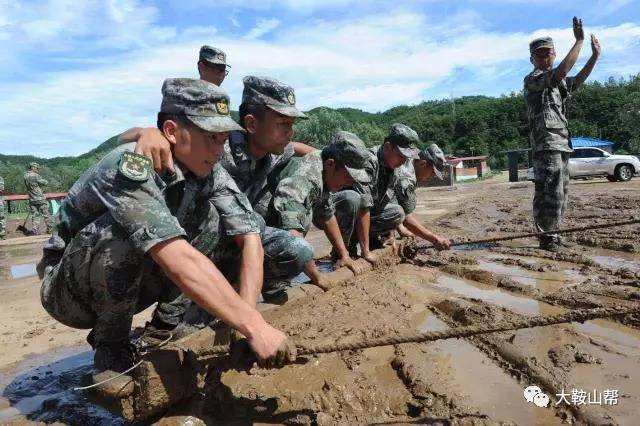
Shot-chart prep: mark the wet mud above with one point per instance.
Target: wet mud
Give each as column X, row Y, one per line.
column 476, row 381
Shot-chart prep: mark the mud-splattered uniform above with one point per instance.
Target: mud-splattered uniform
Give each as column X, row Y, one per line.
column 550, row 142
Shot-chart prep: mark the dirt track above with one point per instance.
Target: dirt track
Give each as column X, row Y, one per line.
column 472, row 381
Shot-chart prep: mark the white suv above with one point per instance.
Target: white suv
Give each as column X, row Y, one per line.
column 588, row 162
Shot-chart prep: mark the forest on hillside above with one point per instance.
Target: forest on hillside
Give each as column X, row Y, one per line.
column 471, row 125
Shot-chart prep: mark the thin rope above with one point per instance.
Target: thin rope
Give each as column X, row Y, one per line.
column 137, row 364
column 538, row 234
column 308, row 348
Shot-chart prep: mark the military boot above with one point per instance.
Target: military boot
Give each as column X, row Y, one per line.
column 111, row 359
column 548, row 243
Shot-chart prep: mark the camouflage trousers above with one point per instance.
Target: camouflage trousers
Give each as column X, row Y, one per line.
column 385, row 220
column 551, row 188
column 3, row 221
column 102, row 280
column 347, row 205
column 284, row 258
column 39, row 210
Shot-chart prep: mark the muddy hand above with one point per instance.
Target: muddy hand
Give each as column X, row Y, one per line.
column 595, row 46
column 578, row 32
column 442, row 244
column 370, row 257
column 349, row 263
column 324, row 281
column 286, row 354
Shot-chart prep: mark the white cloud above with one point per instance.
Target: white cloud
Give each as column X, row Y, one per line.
column 373, row 62
column 263, row 26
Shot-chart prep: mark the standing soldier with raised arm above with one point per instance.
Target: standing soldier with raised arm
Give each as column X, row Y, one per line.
column 38, row 205
column 546, row 90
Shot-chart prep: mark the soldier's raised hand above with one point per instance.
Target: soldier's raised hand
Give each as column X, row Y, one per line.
column 595, row 46
column 578, row 32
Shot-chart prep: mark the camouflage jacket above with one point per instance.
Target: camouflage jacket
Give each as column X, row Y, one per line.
column 546, row 111
column 256, row 178
column 33, row 181
column 153, row 209
column 1, row 189
column 381, row 189
column 405, row 187
column 300, row 195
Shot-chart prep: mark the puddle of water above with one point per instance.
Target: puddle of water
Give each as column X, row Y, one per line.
column 521, row 304
column 480, row 382
column 613, row 334
column 514, row 272
column 23, row 270
column 621, row 338
column 617, row 262
column 39, row 389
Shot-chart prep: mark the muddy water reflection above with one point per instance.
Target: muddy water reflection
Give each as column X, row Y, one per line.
column 480, row 383
column 521, row 304
column 19, row 261
column 23, row 270
column 39, row 389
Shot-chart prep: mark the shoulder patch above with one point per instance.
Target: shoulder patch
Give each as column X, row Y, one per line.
column 134, row 166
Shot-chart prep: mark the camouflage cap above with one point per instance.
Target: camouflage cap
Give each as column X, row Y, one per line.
column 34, row 164
column 540, row 43
column 349, row 149
column 434, row 156
column 204, row 104
column 405, row 138
column 272, row 93
column 213, row 55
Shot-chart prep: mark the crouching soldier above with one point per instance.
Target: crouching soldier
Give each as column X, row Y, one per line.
column 129, row 236
column 430, row 163
column 254, row 158
column 386, row 211
column 303, row 195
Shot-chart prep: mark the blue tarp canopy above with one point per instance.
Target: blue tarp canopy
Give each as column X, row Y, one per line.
column 590, row 142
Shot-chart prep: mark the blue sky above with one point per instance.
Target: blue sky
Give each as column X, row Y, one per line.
column 73, row 73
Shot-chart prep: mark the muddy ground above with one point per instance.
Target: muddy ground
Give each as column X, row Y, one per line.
column 478, row 380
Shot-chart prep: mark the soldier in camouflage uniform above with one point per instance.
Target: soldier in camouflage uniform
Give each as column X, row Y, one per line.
column 255, row 160
column 212, row 65
column 131, row 237
column 38, row 205
column 546, row 92
column 430, row 163
column 3, row 220
column 303, row 194
column 377, row 196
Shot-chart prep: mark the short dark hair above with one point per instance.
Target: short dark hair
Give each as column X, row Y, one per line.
column 257, row 110
column 178, row 118
column 328, row 154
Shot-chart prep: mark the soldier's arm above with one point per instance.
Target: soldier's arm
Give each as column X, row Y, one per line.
column 290, row 199
column 151, row 143
column 363, row 227
column 251, row 267
column 570, row 60
column 413, row 224
column 332, row 231
column 584, row 73
column 301, row 149
column 238, row 221
column 42, row 181
column 199, row 280
column 367, row 193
